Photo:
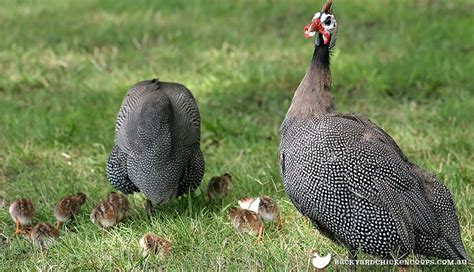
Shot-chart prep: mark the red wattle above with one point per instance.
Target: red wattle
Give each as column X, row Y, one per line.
column 306, row 28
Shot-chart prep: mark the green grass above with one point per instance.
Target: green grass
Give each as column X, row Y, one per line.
column 66, row 65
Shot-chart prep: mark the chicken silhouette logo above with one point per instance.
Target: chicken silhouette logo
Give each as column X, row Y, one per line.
column 318, row 261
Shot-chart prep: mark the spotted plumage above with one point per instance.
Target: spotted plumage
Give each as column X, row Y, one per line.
column 21, row 211
column 218, row 187
column 152, row 244
column 266, row 208
column 105, row 215
column 246, row 221
column 353, row 181
column 43, row 235
column 68, row 207
column 120, row 202
column 157, row 149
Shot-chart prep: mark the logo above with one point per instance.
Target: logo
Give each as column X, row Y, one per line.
column 318, row 261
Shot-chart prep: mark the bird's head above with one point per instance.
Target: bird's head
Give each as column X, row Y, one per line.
column 323, row 26
column 228, row 176
column 81, row 197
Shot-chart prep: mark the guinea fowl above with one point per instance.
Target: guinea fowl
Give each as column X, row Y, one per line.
column 105, row 215
column 68, row 207
column 152, row 244
column 120, row 202
column 21, row 211
column 266, row 208
column 43, row 235
column 218, row 187
column 246, row 221
column 351, row 179
column 157, row 150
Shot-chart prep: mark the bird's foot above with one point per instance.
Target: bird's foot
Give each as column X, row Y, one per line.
column 352, row 258
column 150, row 211
column 279, row 224
column 260, row 234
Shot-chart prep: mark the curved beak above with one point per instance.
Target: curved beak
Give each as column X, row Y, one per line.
column 311, row 29
column 315, row 27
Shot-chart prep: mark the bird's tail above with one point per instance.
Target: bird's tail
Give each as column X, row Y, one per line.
column 449, row 241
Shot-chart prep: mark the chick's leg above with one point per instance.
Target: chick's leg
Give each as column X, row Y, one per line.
column 58, row 225
column 17, row 229
column 260, row 233
column 279, row 224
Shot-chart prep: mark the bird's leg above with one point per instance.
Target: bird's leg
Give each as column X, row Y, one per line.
column 17, row 229
column 43, row 248
column 58, row 225
column 260, row 233
column 150, row 211
column 279, row 224
column 352, row 258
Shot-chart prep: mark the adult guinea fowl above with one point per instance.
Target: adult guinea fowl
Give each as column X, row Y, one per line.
column 157, row 150
column 350, row 177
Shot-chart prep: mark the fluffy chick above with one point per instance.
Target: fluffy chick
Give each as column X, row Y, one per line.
column 120, row 202
column 21, row 211
column 105, row 215
column 68, row 207
column 264, row 206
column 218, row 187
column 152, row 244
column 246, row 221
column 43, row 235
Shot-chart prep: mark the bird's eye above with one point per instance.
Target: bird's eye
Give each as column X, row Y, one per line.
column 328, row 21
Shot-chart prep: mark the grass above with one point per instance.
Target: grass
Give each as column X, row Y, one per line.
column 66, row 66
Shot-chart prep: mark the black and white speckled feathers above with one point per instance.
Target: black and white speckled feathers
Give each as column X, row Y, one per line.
column 157, row 150
column 355, row 184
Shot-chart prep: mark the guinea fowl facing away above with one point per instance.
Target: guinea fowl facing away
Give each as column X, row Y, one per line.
column 218, row 187
column 157, row 150
column 246, row 221
column 152, row 244
column 21, row 211
column 105, row 215
column 266, row 208
column 351, row 179
column 43, row 235
column 68, row 207
column 120, row 202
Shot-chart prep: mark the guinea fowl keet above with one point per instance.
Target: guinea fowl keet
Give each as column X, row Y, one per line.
column 21, row 212
column 246, row 221
column 157, row 143
column 68, row 207
column 105, row 215
column 266, row 208
column 218, row 187
column 120, row 202
column 43, row 235
column 351, row 179
column 152, row 244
